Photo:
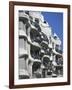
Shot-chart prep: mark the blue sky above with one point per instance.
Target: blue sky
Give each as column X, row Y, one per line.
column 55, row 20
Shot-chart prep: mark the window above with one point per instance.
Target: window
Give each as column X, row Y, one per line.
column 27, row 12
column 45, row 22
column 36, row 20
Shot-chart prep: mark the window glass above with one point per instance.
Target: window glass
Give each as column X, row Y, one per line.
column 36, row 20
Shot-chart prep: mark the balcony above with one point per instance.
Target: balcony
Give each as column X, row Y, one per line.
column 36, row 67
column 29, row 40
column 23, row 17
column 51, row 58
column 35, row 41
column 37, row 26
column 35, row 23
column 34, row 29
column 42, row 51
column 48, row 52
column 46, row 56
column 50, row 46
column 22, row 52
column 37, row 60
column 56, row 53
column 22, row 34
column 44, row 24
column 46, row 60
column 35, row 56
column 23, row 74
column 59, row 61
column 43, row 36
column 36, row 44
column 32, row 59
column 54, row 63
column 42, row 66
column 44, row 44
column 58, row 50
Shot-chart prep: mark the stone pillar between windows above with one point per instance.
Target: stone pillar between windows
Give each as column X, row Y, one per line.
column 21, row 25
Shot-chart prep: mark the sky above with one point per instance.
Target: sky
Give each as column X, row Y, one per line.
column 55, row 20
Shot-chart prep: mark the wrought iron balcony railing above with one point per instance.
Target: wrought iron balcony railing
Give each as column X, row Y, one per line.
column 58, row 50
column 36, row 39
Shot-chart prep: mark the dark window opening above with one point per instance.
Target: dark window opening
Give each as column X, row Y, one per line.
column 45, row 22
column 37, row 20
column 36, row 65
column 27, row 12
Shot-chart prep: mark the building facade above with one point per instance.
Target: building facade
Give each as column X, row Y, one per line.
column 40, row 54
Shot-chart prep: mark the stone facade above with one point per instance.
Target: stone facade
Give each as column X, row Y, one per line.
column 40, row 54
